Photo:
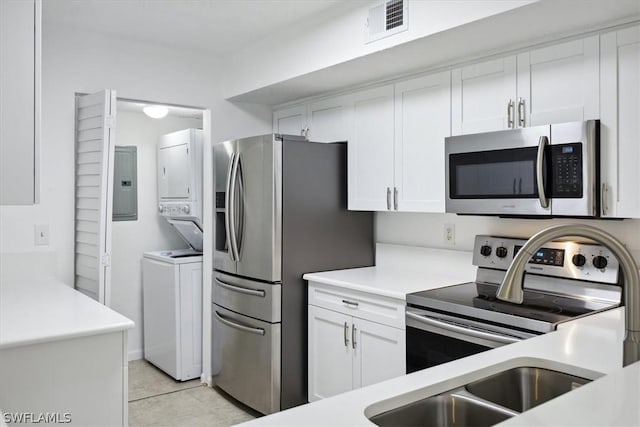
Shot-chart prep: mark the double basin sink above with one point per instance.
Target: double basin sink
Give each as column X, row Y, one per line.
column 485, row 402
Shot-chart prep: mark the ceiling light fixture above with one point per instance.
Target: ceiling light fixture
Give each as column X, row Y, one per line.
column 155, row 111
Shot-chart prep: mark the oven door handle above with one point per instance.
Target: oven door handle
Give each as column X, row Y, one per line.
column 462, row 330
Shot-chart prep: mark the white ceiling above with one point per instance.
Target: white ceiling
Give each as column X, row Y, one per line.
column 214, row 26
column 175, row 111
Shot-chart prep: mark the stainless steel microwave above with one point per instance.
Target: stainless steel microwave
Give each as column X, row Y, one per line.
column 551, row 170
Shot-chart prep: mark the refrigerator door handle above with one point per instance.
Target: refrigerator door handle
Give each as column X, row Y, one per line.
column 240, row 205
column 257, row 331
column 231, row 209
column 228, row 207
column 254, row 292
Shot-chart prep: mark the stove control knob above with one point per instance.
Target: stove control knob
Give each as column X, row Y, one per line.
column 501, row 251
column 599, row 262
column 578, row 260
column 485, row 250
column 186, row 209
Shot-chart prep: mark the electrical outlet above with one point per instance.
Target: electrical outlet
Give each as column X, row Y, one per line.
column 41, row 235
column 449, row 234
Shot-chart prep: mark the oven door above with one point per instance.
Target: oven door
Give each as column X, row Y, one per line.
column 435, row 338
column 498, row 173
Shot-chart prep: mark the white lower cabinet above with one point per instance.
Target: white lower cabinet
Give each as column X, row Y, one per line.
column 330, row 355
column 347, row 352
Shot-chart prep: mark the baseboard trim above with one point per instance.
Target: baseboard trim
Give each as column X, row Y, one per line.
column 135, row 355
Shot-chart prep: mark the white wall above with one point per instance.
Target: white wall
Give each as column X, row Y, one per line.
column 338, row 36
column 150, row 232
column 428, row 229
column 75, row 61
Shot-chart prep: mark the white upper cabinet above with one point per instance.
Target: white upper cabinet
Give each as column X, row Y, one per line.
column 559, row 83
column 370, row 150
column 422, row 121
column 290, row 121
column 483, row 96
column 328, row 119
column 620, row 123
column 19, row 101
column 553, row 84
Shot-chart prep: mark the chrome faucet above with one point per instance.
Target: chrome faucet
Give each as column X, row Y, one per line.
column 511, row 288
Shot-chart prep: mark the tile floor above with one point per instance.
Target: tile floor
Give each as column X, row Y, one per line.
column 156, row 399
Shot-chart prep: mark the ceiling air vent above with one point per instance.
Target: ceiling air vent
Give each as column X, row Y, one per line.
column 386, row 19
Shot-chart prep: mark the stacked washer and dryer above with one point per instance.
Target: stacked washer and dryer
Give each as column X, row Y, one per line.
column 172, row 279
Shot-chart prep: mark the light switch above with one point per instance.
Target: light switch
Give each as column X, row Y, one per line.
column 41, row 237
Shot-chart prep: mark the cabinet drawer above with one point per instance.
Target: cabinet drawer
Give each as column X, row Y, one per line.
column 377, row 308
column 246, row 359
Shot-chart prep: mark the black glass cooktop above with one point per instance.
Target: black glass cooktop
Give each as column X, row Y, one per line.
column 538, row 312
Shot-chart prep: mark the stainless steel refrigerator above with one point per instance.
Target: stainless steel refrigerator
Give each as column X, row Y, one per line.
column 281, row 211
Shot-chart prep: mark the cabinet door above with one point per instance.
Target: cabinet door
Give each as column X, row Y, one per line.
column 290, row 121
column 19, row 101
column 620, row 123
column 423, row 120
column 370, row 150
column 379, row 352
column 480, row 96
column 328, row 120
column 330, row 355
column 559, row 83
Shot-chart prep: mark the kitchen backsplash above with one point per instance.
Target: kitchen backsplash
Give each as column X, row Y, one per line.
column 428, row 230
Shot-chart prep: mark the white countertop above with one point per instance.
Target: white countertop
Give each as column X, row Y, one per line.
column 586, row 347
column 41, row 310
column 590, row 347
column 418, row 270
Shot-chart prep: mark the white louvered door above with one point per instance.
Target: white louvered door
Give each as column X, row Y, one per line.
column 95, row 145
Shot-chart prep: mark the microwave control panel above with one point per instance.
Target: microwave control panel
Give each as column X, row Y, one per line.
column 566, row 171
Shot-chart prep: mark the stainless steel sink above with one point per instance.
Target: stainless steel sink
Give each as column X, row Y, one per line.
column 442, row 410
column 524, row 388
column 484, row 402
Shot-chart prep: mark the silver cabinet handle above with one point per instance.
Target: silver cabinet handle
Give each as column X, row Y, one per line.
column 257, row 331
column 542, row 143
column 353, row 336
column 395, row 198
column 240, row 289
column 461, row 329
column 388, row 198
column 521, row 112
column 510, row 114
column 352, row 303
column 346, row 334
column 603, row 196
column 228, row 208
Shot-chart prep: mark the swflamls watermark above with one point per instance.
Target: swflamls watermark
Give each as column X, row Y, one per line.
column 36, row 417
